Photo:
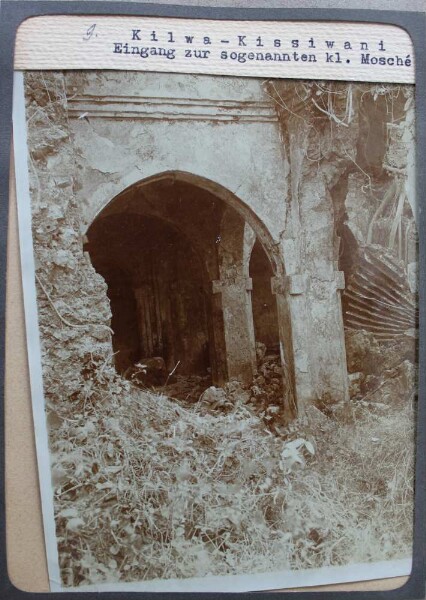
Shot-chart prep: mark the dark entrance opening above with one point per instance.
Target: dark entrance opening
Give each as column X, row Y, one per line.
column 188, row 269
column 155, row 287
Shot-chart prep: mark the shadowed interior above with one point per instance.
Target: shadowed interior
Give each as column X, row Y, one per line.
column 162, row 247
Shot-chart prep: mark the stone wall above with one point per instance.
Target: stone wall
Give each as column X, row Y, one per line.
column 143, row 124
column 290, row 165
column 319, row 149
column 73, row 308
column 351, row 219
column 235, row 140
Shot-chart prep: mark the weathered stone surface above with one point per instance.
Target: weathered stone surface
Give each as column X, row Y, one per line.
column 214, row 397
column 289, row 168
column 73, row 307
column 355, row 383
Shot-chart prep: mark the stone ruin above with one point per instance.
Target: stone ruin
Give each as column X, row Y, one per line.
column 197, row 218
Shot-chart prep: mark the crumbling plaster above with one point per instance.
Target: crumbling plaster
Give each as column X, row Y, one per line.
column 229, row 136
column 240, row 153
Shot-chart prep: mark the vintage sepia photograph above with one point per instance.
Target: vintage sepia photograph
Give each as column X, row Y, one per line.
column 225, row 274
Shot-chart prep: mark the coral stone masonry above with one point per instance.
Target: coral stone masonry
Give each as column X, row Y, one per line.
column 207, row 214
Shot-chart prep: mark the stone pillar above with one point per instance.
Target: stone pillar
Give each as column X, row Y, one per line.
column 317, row 344
column 329, row 351
column 320, row 261
column 309, row 240
column 234, row 287
column 218, row 363
column 238, row 327
column 295, row 336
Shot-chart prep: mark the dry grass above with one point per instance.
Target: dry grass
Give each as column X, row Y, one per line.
column 361, row 488
column 148, row 489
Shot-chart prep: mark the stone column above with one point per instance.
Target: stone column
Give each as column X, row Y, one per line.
column 329, row 351
column 238, row 326
column 234, row 286
column 309, row 239
column 219, row 370
column 295, row 336
column 320, row 260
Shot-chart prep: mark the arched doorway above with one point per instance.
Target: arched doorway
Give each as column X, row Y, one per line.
column 189, row 269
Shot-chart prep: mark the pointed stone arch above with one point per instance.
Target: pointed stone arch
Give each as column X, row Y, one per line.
column 222, row 230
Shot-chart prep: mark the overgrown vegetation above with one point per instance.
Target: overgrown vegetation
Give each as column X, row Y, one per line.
column 146, row 488
column 150, row 487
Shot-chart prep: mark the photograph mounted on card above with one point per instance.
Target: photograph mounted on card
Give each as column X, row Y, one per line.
column 219, row 244
column 290, row 49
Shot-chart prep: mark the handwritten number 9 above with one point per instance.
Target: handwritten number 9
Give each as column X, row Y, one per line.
column 89, row 33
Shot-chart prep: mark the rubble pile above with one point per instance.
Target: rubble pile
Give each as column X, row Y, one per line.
column 217, row 400
column 363, row 352
column 187, row 388
column 267, row 389
column 264, row 397
column 380, row 373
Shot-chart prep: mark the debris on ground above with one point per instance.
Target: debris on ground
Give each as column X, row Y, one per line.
column 380, row 373
column 265, row 395
column 147, row 372
column 267, row 391
column 363, row 352
column 187, row 388
column 146, row 489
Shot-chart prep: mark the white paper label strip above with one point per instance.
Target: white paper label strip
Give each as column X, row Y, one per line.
column 289, row 49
